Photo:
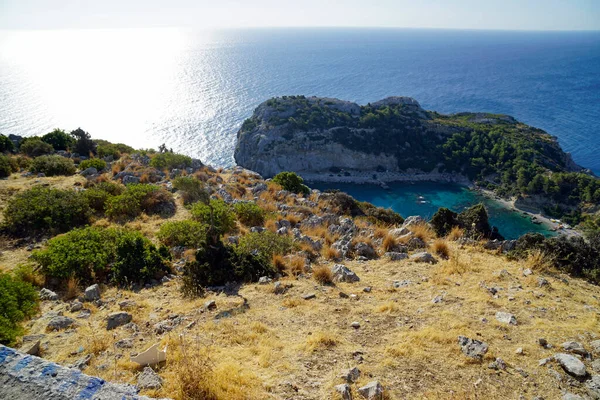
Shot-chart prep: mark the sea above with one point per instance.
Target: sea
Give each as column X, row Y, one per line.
column 191, row 88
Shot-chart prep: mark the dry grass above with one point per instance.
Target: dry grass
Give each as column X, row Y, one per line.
column 329, row 253
column 422, row 231
column 455, row 234
column 279, row 262
column 539, row 261
column 380, row 232
column 296, row 265
column 389, row 243
column 72, row 289
column 323, row 275
column 320, row 341
column 441, row 248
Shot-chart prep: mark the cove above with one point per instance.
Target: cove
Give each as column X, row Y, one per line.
column 424, row 199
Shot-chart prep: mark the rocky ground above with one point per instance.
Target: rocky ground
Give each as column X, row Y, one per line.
column 399, row 321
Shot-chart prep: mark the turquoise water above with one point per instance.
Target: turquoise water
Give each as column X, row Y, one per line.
column 424, row 199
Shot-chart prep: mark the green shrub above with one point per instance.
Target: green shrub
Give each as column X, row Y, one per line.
column 35, row 147
column 291, row 182
column 18, row 301
column 115, row 150
column 380, row 215
column 98, row 195
column 92, row 162
column 97, row 255
column 6, row 144
column 249, row 214
column 84, row 145
column 216, row 214
column 53, row 165
column 170, row 161
column 266, row 243
column 139, row 198
column 45, row 210
column 6, row 167
column 182, row 233
column 193, row 190
column 59, row 139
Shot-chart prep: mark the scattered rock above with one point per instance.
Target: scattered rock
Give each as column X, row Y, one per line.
column 343, row 274
column 89, row 171
column 264, row 280
column 126, row 343
column 595, row 346
column 437, row 299
column 543, row 282
column 543, row 342
column 527, row 272
column 506, row 318
column 572, row 365
column 472, row 348
column 309, row 296
column 499, row 364
column 593, row 386
column 596, row 365
column 47, row 294
column 117, row 319
column 127, row 305
column 345, row 391
column 76, row 306
column 351, row 375
column 372, row 391
column 210, row 305
column 32, row 347
column 365, row 250
column 355, row 324
column 92, row 293
column 395, row 256
column 152, row 356
column 149, row 379
column 519, row 351
column 60, row 322
column 82, row 363
column 575, row 347
column 423, row 257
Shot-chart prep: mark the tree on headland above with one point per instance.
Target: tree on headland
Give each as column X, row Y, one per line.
column 84, row 144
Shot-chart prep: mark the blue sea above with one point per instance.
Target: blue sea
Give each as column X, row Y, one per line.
column 192, row 89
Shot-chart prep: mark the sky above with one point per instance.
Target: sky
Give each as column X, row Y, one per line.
column 453, row 14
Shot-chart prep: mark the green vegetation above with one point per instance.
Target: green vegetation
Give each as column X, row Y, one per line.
column 291, row 182
column 137, row 199
column 265, row 243
column 35, row 146
column 192, row 189
column 474, row 222
column 52, row 165
column 18, row 301
column 216, row 214
column 98, row 255
column 182, row 233
column 98, row 195
column 45, row 210
column 105, row 149
column 249, row 214
column 84, row 145
column 170, row 161
column 59, row 140
column 92, row 162
column 6, row 144
column 6, row 167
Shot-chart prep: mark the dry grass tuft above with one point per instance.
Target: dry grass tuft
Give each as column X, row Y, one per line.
column 291, row 302
column 539, row 261
column 455, row 234
column 422, row 231
column 441, row 248
column 388, row 307
column 389, row 242
column 321, row 341
column 72, row 289
column 296, row 265
column 380, row 232
column 329, row 253
column 323, row 275
column 279, row 263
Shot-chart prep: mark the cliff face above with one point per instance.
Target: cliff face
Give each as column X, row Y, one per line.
column 312, row 135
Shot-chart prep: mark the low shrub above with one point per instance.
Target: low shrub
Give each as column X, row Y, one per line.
column 115, row 150
column 170, row 161
column 18, row 301
column 249, row 214
column 6, row 167
column 95, row 254
column 216, row 214
column 182, row 233
column 45, row 210
column 98, row 195
column 52, row 165
column 291, row 182
column 59, row 139
column 473, row 221
column 6, row 144
column 35, row 147
column 266, row 243
column 192, row 189
column 92, row 162
column 139, row 198
column 381, row 215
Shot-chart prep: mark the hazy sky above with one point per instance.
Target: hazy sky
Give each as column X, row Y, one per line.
column 462, row 14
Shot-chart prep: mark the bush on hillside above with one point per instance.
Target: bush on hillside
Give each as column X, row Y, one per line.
column 474, row 221
column 105, row 149
column 92, row 162
column 95, row 254
column 18, row 301
column 45, row 210
column 35, row 147
column 52, row 165
column 381, row 215
column 98, row 195
column 193, row 190
column 6, row 167
column 249, row 214
column 84, row 145
column 291, row 182
column 6, row 145
column 266, row 243
column 170, row 161
column 182, row 233
column 59, row 139
column 140, row 198
column 216, row 214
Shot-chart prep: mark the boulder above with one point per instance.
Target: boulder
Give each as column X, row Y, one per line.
column 574, row 347
column 595, row 346
column 89, row 171
column 59, row 322
column 129, row 179
column 365, row 250
column 149, row 379
column 397, row 232
column 92, row 293
column 413, row 220
column 117, row 319
column 350, row 375
column 506, row 318
column 593, row 386
column 343, row 274
column 472, row 348
column 344, row 390
column 372, row 391
column 76, row 306
column 572, row 365
column 423, row 257
column 126, row 343
column 395, row 256
column 47, row 294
